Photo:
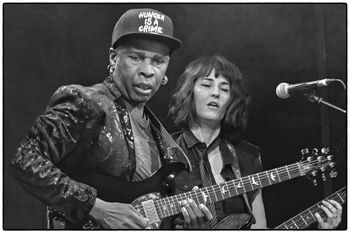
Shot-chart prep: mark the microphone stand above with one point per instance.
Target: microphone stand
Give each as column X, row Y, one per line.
column 315, row 99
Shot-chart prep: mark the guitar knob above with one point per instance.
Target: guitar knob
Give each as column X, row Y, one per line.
column 330, row 157
column 314, row 151
column 314, row 173
column 320, row 158
column 314, row 181
column 324, row 177
column 333, row 173
column 304, row 151
column 332, row 165
column 325, row 150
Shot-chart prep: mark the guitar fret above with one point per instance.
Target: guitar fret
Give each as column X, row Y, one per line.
column 243, row 185
column 295, row 224
column 312, row 215
column 288, row 172
column 268, row 177
column 214, row 192
column 234, row 186
column 301, row 216
column 251, row 184
column 228, row 189
column 222, row 191
column 340, row 198
column 278, row 175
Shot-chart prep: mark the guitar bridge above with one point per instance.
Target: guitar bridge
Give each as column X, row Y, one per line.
column 150, row 211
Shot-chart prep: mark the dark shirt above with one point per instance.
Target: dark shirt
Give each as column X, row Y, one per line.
column 83, row 129
column 248, row 157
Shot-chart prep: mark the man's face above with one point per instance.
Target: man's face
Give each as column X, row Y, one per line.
column 140, row 68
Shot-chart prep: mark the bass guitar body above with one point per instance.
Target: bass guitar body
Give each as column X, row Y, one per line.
column 234, row 221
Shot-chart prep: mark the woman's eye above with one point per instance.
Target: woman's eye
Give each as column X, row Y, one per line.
column 205, row 85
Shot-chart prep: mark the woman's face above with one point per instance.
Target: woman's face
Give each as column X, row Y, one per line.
column 211, row 97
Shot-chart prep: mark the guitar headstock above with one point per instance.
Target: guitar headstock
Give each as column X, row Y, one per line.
column 315, row 161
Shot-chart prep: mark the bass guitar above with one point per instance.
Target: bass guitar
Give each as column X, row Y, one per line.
column 307, row 217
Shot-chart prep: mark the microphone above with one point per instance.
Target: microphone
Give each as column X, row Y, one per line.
column 284, row 90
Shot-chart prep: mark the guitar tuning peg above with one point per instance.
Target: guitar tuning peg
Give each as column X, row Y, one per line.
column 323, row 177
column 333, row 173
column 314, row 173
column 304, row 151
column 325, row 150
column 320, row 158
column 314, row 181
column 314, row 151
column 330, row 157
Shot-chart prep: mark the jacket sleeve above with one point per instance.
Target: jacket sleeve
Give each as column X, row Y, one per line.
column 54, row 134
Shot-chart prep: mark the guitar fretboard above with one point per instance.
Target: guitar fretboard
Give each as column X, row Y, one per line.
column 306, row 218
column 170, row 206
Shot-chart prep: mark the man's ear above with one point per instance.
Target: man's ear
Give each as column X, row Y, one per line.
column 112, row 56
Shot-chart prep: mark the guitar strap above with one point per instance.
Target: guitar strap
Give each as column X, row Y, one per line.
column 237, row 173
column 172, row 149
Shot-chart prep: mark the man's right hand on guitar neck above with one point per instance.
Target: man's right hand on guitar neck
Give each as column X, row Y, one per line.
column 117, row 215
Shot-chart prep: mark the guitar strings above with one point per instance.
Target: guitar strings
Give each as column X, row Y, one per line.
column 198, row 193
column 283, row 172
column 308, row 219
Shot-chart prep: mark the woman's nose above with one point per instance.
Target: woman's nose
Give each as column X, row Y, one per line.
column 215, row 92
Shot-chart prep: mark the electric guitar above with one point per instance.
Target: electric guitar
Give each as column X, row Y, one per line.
column 147, row 196
column 306, row 218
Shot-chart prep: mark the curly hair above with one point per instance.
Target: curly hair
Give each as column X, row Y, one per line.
column 182, row 107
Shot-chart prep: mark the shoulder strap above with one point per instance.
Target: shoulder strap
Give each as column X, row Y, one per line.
column 172, row 148
column 237, row 173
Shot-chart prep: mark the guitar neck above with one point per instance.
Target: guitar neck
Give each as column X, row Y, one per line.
column 306, row 218
column 170, row 206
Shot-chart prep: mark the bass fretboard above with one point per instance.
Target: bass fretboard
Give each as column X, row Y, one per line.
column 306, row 218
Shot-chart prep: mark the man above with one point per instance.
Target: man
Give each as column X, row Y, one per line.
column 105, row 129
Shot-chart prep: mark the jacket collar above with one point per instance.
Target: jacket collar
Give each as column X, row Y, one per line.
column 227, row 158
column 112, row 87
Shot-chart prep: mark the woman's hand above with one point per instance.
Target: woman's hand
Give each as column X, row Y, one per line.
column 194, row 216
column 333, row 211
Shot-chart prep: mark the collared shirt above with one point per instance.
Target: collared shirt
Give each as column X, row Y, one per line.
column 193, row 147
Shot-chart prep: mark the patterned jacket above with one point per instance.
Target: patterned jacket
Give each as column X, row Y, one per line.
column 82, row 129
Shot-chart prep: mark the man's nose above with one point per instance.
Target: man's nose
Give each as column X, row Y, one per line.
column 146, row 68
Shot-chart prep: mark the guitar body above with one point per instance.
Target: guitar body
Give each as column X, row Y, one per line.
column 112, row 189
column 234, row 221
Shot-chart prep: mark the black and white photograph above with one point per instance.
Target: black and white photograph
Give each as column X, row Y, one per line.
column 174, row 115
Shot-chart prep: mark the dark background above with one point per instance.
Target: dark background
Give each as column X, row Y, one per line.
column 49, row 45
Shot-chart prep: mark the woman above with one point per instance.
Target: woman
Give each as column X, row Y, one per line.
column 209, row 104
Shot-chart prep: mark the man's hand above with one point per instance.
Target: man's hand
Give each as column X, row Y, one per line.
column 117, row 216
column 194, row 216
column 333, row 211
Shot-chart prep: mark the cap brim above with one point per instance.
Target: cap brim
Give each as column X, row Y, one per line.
column 172, row 42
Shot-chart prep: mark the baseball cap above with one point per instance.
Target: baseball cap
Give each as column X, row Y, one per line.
column 146, row 23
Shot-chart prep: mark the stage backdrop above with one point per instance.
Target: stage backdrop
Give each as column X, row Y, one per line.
column 49, row 45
